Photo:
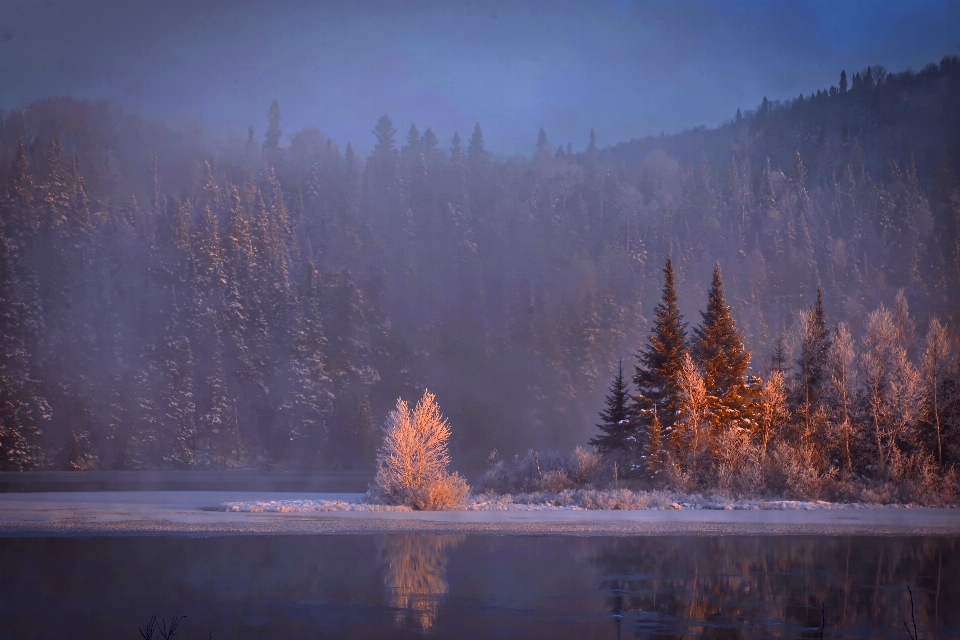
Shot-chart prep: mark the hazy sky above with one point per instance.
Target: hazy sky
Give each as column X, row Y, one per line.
column 627, row 69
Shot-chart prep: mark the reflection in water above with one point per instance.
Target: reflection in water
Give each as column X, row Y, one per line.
column 415, row 574
column 504, row 587
column 745, row 587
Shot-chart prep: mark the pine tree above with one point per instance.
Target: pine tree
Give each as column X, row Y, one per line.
column 384, row 132
column 18, row 216
column 455, row 151
column 660, row 362
column 592, row 147
column 616, row 428
column 271, row 141
column 718, row 349
column 23, row 407
column 542, row 143
column 655, row 455
column 814, row 340
column 779, row 356
column 429, row 140
column 476, row 150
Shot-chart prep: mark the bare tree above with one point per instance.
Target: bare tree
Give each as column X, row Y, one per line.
column 693, row 411
column 935, row 367
column 412, row 461
column 842, row 386
column 876, row 362
column 772, row 412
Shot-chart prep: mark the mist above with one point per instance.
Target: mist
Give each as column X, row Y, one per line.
column 235, row 236
column 625, row 69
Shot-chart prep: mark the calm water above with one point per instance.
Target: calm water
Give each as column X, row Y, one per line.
column 409, row 586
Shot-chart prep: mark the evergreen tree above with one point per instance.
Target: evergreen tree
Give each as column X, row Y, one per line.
column 655, row 456
column 271, row 141
column 23, row 407
column 660, row 362
column 476, row 150
column 384, row 133
column 429, row 140
column 455, row 150
column 413, row 137
column 616, row 428
column 779, row 356
column 543, row 145
column 718, row 349
column 814, row 343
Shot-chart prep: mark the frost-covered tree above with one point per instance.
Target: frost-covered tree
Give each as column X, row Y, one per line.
column 412, row 461
column 841, row 390
column 690, row 432
column 937, row 361
column 878, row 359
column 772, row 413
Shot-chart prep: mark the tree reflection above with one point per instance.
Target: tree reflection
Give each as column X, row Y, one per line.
column 415, row 575
column 745, row 587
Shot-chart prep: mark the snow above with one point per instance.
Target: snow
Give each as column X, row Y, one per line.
column 484, row 503
column 229, row 513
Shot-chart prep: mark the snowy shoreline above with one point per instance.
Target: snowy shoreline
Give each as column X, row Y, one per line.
column 481, row 504
column 200, row 513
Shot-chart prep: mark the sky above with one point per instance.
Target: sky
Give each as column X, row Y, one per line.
column 626, row 69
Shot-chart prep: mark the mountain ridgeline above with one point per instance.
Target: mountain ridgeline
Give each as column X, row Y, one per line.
column 170, row 300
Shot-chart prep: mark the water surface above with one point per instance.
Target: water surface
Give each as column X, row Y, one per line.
column 476, row 586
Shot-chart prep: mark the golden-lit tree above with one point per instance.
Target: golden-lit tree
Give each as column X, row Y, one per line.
column 412, row 461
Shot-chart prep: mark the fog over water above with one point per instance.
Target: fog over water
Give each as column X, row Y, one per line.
column 234, row 234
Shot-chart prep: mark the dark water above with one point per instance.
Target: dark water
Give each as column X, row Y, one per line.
column 407, row 586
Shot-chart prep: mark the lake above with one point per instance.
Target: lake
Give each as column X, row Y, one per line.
column 480, row 586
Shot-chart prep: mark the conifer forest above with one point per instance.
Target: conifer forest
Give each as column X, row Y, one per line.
column 784, row 287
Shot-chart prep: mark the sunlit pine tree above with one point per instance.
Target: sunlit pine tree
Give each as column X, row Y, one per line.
column 660, row 362
column 718, row 349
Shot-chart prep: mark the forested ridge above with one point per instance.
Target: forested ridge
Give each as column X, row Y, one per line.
column 171, row 300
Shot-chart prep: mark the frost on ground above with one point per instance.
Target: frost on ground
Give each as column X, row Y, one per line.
column 288, row 506
column 569, row 500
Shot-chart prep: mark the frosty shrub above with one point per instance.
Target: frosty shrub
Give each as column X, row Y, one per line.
column 798, row 472
column 551, row 472
column 412, row 461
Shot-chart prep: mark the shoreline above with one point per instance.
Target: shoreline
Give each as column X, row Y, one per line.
column 194, row 513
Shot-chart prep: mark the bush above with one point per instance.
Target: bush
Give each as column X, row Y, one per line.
column 550, row 472
column 412, row 461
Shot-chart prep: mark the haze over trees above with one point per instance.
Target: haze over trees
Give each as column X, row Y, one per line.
column 167, row 300
column 847, row 412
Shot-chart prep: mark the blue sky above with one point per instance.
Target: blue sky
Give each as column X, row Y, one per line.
column 627, row 69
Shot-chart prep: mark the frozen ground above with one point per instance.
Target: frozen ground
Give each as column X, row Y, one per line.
column 208, row 513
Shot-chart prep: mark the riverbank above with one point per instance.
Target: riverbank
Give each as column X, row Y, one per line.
column 199, row 513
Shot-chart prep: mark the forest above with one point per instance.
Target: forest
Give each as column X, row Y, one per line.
column 170, row 299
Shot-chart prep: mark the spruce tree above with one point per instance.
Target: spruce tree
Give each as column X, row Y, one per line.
column 655, row 455
column 718, row 350
column 660, row 362
column 476, row 150
column 384, row 132
column 455, row 150
column 616, row 427
column 271, row 142
column 812, row 363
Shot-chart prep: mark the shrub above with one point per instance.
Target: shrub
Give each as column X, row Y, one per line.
column 550, row 472
column 412, row 461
